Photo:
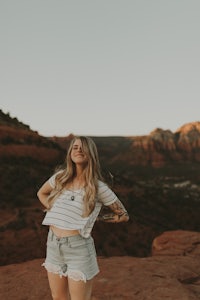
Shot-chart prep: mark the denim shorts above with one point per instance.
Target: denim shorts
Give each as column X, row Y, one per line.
column 73, row 256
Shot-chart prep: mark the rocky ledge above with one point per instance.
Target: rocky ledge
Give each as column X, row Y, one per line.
column 172, row 272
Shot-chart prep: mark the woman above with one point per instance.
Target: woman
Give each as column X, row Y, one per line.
column 73, row 198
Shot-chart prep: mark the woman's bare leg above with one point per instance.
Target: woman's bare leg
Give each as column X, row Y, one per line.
column 58, row 286
column 80, row 290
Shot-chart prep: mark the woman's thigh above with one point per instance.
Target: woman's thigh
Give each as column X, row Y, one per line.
column 58, row 286
column 80, row 290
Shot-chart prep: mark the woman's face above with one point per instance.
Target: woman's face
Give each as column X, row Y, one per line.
column 77, row 154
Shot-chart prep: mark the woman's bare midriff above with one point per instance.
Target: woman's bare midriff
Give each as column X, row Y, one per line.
column 63, row 232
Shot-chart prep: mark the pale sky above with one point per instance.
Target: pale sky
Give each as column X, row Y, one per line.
column 100, row 68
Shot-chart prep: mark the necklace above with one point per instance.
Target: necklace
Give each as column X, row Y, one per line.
column 75, row 191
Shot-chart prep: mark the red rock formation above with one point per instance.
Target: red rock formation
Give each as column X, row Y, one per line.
column 189, row 140
column 177, row 242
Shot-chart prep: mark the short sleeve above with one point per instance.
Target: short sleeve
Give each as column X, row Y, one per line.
column 105, row 195
column 52, row 179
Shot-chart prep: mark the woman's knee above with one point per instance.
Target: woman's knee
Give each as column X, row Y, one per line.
column 59, row 296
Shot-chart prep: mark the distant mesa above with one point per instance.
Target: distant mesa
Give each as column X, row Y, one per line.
column 157, row 149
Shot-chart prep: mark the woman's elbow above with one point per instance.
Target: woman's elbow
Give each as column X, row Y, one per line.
column 126, row 218
column 38, row 194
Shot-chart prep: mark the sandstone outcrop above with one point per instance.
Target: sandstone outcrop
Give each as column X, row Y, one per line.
column 177, row 242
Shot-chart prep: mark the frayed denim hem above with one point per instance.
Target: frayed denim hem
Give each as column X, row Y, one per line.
column 63, row 271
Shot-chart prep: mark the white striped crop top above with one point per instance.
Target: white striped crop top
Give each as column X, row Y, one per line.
column 66, row 212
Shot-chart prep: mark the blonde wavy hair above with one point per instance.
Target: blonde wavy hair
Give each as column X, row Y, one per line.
column 91, row 175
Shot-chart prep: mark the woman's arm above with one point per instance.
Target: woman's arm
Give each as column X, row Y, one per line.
column 118, row 214
column 43, row 193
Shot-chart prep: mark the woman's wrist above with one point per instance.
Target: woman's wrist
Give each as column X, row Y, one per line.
column 106, row 218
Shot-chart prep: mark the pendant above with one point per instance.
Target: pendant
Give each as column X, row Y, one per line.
column 72, row 198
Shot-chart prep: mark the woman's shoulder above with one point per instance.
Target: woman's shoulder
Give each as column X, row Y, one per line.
column 102, row 185
column 57, row 172
column 105, row 193
column 53, row 177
